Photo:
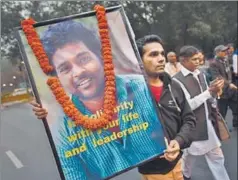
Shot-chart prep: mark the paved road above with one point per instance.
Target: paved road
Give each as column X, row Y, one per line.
column 21, row 134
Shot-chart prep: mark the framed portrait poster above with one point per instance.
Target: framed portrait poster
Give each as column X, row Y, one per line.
column 133, row 136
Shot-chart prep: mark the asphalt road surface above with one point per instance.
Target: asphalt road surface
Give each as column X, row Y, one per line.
column 26, row 155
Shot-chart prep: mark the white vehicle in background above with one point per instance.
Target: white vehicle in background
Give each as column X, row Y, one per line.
column 20, row 91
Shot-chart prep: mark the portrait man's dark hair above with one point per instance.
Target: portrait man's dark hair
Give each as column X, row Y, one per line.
column 60, row 34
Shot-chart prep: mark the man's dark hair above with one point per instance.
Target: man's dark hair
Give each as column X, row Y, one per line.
column 145, row 40
column 60, row 34
column 187, row 52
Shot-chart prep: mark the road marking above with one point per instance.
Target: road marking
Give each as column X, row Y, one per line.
column 14, row 159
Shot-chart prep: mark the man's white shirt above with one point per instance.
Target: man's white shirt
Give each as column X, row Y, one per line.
column 200, row 147
column 235, row 64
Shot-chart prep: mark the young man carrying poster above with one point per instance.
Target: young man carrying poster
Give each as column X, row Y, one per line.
column 175, row 113
column 77, row 59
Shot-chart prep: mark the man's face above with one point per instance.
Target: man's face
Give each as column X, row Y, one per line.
column 222, row 54
column 154, row 59
column 201, row 57
column 230, row 50
column 192, row 63
column 79, row 70
column 172, row 57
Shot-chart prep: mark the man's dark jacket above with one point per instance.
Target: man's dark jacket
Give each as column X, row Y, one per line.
column 218, row 68
column 178, row 121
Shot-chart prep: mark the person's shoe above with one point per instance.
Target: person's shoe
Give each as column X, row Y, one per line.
column 185, row 178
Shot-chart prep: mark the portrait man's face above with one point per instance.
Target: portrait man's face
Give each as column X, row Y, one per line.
column 154, row 58
column 79, row 70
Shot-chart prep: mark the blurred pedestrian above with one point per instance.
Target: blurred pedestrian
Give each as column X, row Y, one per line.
column 230, row 51
column 204, row 66
column 235, row 64
column 172, row 66
column 235, row 67
column 220, row 68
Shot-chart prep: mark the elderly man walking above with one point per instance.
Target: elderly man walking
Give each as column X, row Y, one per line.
column 200, row 97
column 172, row 66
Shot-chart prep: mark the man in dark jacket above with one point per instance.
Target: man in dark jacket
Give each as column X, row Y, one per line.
column 175, row 113
column 230, row 51
column 220, row 68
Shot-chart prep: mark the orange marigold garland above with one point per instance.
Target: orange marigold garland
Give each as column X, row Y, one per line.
column 55, row 85
column 36, row 46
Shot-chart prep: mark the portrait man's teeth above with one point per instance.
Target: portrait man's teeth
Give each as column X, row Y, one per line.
column 84, row 81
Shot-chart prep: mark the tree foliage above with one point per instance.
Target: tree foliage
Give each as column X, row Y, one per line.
column 204, row 24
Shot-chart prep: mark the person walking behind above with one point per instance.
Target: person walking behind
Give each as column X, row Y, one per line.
column 235, row 67
column 199, row 96
column 172, row 66
column 220, row 68
column 204, row 66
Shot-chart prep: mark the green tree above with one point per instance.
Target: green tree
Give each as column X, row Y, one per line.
column 204, row 24
column 11, row 16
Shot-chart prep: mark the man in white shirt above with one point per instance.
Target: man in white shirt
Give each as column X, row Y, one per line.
column 200, row 96
column 235, row 67
column 172, row 66
column 235, row 64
